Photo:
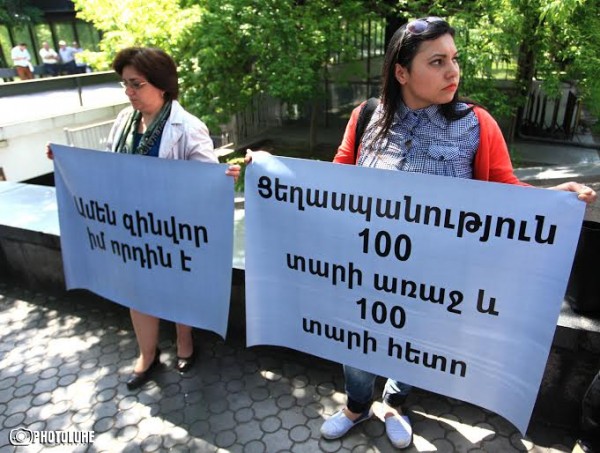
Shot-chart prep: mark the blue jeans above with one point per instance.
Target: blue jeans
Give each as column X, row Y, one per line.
column 360, row 386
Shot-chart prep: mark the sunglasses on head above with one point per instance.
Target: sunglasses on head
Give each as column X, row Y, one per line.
column 419, row 26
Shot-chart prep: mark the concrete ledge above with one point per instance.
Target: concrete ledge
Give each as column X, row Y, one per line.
column 572, row 364
column 546, row 175
column 22, row 146
column 33, row 258
column 56, row 83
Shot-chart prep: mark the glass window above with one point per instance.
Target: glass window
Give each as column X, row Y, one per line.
column 88, row 36
column 64, row 31
column 21, row 34
column 5, row 45
column 42, row 33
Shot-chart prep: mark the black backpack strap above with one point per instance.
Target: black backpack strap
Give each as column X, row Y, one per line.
column 366, row 112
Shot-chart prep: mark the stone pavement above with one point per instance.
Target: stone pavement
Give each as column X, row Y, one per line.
column 64, row 360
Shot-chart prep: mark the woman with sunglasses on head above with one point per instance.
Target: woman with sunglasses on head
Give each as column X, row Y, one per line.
column 157, row 125
column 420, row 126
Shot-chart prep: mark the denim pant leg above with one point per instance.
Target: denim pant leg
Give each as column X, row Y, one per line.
column 359, row 389
column 395, row 392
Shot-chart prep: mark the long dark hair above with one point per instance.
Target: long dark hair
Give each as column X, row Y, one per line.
column 402, row 49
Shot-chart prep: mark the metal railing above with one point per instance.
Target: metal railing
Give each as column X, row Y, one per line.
column 551, row 117
column 262, row 113
column 91, row 136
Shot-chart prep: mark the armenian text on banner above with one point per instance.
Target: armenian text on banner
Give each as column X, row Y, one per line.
column 451, row 285
column 152, row 234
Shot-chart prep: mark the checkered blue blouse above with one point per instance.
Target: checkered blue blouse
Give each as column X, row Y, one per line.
column 423, row 141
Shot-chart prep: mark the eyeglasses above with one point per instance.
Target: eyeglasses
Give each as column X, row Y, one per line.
column 419, row 26
column 134, row 84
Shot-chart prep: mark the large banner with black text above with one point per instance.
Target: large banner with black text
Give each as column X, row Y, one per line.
column 451, row 285
column 152, row 234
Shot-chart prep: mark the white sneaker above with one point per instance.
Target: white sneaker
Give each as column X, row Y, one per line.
column 399, row 431
column 338, row 424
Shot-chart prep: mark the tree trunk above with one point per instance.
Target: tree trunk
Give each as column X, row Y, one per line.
column 312, row 134
column 526, row 64
column 525, row 73
column 392, row 23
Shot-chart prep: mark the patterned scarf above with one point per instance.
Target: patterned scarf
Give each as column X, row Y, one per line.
column 152, row 134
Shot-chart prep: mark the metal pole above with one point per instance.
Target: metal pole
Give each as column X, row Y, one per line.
column 78, row 81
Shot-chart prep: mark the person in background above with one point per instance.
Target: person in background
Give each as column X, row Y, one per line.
column 67, row 58
column 82, row 68
column 22, row 61
column 156, row 125
column 420, row 125
column 50, row 59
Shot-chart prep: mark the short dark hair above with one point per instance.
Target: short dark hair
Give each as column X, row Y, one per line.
column 155, row 64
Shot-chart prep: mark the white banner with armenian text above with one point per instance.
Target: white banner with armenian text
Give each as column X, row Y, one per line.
column 152, row 234
column 450, row 285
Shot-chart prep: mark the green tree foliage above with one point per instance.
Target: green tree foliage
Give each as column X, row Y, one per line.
column 551, row 41
column 583, row 61
column 481, row 42
column 216, row 61
column 152, row 23
column 17, row 15
column 231, row 50
column 554, row 41
column 18, row 12
column 280, row 47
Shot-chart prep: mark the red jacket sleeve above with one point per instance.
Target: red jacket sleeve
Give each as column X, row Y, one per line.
column 345, row 152
column 492, row 160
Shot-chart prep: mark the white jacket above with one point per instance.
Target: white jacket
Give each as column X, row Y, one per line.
column 184, row 136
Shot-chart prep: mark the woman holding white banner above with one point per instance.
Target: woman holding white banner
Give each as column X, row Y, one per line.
column 419, row 125
column 157, row 125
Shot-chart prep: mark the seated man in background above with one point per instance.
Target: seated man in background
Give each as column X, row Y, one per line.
column 22, row 61
column 67, row 58
column 49, row 59
column 81, row 66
